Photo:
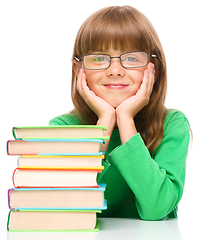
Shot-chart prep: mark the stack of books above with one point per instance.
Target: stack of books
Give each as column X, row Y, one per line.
column 56, row 179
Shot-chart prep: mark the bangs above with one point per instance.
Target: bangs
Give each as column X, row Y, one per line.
column 116, row 29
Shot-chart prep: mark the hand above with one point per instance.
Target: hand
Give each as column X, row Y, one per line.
column 104, row 111
column 126, row 111
column 97, row 104
column 131, row 106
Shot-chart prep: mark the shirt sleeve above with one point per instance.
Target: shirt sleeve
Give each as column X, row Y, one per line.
column 157, row 181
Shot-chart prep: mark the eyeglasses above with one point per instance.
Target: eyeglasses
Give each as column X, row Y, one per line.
column 102, row 61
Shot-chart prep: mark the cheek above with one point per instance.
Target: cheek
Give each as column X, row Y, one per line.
column 93, row 78
column 89, row 78
column 137, row 78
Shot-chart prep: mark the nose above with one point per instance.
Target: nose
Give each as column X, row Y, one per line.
column 115, row 69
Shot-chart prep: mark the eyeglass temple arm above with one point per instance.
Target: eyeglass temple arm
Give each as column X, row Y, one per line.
column 152, row 55
column 77, row 59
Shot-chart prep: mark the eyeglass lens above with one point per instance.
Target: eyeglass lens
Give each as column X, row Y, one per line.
column 128, row 60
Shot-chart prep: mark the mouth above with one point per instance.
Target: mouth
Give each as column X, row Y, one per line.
column 116, row 86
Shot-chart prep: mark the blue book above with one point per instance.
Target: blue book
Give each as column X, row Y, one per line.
column 57, row 198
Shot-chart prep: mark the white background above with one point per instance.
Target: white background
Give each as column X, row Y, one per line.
column 36, row 42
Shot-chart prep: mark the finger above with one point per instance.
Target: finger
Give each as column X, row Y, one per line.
column 79, row 81
column 151, row 78
column 85, row 91
column 151, row 84
column 145, row 82
column 84, row 85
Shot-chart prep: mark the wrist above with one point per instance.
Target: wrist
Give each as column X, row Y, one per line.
column 124, row 120
column 126, row 126
column 123, row 115
column 108, row 121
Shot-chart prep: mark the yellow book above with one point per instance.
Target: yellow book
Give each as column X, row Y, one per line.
column 34, row 161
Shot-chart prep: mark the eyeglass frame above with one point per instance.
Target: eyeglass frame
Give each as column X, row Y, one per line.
column 148, row 55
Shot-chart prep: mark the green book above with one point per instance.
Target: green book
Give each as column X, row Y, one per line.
column 53, row 220
column 59, row 131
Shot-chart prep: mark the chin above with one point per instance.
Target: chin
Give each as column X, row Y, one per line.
column 115, row 104
column 116, row 100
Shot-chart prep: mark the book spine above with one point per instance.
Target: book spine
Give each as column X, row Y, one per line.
column 8, row 220
column 7, row 147
column 9, row 200
column 8, row 150
column 14, row 133
column 13, row 177
column 18, row 162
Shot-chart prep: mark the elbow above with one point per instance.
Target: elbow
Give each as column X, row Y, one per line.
column 157, row 212
column 160, row 216
column 153, row 215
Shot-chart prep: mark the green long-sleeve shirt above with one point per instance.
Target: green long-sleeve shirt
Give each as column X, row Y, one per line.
column 140, row 185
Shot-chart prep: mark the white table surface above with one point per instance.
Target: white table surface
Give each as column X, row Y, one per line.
column 114, row 228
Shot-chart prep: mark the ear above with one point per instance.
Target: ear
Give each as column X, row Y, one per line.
column 76, row 67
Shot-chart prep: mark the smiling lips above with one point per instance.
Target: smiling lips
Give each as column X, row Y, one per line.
column 116, row 86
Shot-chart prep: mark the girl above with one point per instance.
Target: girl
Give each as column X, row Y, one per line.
column 119, row 80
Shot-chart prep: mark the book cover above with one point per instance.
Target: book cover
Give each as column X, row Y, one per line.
column 20, row 220
column 37, row 161
column 59, row 131
column 23, row 178
column 58, row 147
column 57, row 198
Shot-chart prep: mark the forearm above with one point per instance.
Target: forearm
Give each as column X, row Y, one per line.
column 157, row 181
column 126, row 128
column 157, row 190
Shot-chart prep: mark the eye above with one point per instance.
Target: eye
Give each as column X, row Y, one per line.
column 100, row 59
column 131, row 59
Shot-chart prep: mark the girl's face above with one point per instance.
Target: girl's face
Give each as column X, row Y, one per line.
column 116, row 83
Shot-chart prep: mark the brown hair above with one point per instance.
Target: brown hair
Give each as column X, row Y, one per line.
column 124, row 28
